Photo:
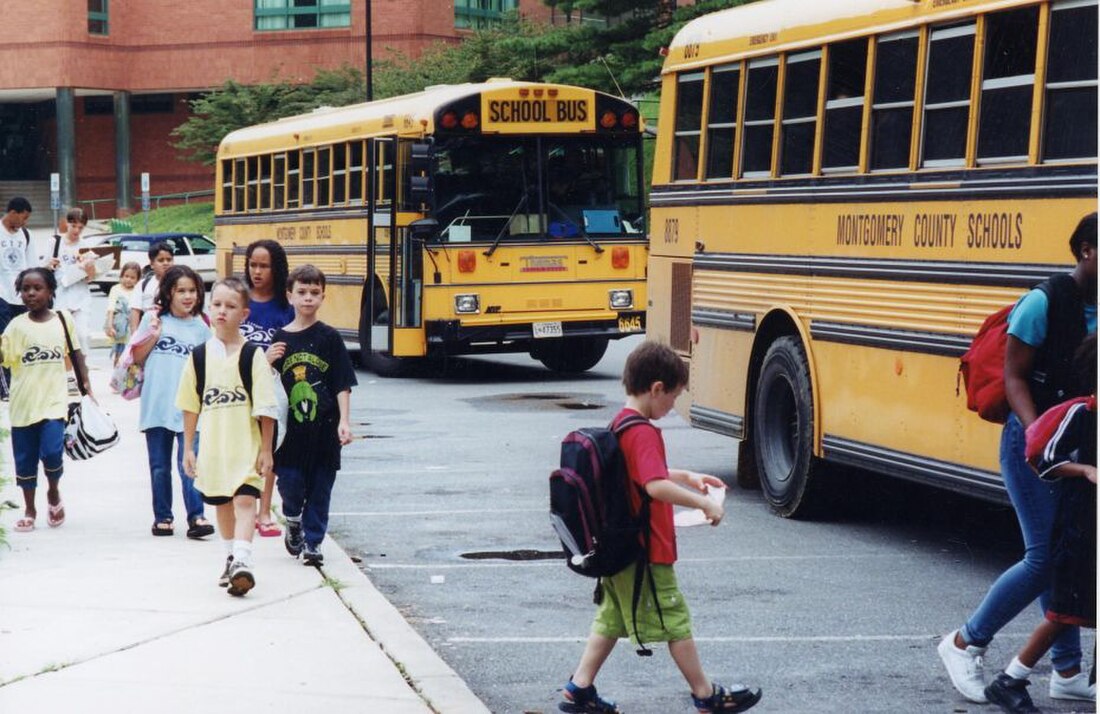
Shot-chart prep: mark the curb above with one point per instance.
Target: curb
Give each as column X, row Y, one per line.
column 427, row 673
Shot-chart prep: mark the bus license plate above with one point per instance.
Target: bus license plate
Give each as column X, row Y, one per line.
column 630, row 323
column 545, row 329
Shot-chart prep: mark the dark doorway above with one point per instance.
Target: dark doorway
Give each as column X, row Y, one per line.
column 23, row 153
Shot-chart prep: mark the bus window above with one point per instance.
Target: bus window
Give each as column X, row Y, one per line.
column 722, row 120
column 308, row 161
column 689, row 117
column 253, row 182
column 339, row 174
column 893, row 100
column 265, row 182
column 355, row 173
column 1069, row 130
column 756, row 146
column 384, row 165
column 279, row 182
column 947, row 95
column 227, row 186
column 844, row 105
column 238, row 185
column 1008, row 76
column 324, row 163
column 293, row 178
column 800, row 112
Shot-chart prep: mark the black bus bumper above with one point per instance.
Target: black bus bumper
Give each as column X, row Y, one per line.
column 451, row 337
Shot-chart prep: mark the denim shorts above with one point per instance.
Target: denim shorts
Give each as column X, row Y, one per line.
column 613, row 616
column 42, row 441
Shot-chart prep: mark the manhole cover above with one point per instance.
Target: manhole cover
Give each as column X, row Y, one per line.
column 523, row 554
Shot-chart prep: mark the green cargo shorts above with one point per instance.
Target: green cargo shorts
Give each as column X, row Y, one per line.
column 613, row 614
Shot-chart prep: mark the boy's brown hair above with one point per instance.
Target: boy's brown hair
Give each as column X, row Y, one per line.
column 653, row 362
column 306, row 275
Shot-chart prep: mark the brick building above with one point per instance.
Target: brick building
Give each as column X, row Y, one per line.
column 90, row 89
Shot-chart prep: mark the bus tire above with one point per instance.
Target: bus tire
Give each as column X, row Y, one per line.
column 783, row 430
column 570, row 355
column 381, row 363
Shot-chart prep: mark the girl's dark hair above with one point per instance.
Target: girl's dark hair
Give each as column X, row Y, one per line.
column 1084, row 365
column 279, row 268
column 1084, row 233
column 163, row 301
column 47, row 276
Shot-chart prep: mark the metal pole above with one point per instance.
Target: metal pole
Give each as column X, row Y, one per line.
column 370, row 82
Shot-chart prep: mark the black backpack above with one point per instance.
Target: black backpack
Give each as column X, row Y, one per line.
column 244, row 367
column 590, row 510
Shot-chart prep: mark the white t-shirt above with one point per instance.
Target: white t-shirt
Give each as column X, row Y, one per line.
column 73, row 291
column 148, row 294
column 15, row 257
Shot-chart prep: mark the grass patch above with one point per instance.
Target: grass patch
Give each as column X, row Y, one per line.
column 334, row 583
column 185, row 218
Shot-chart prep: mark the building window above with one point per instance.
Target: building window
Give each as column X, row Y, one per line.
column 98, row 105
column 477, row 14
column 1069, row 125
column 97, row 17
column 152, row 104
column 302, row 14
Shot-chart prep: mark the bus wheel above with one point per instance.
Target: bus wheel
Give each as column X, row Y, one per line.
column 783, row 428
column 578, row 354
column 381, row 363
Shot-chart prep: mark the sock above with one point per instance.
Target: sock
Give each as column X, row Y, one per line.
column 227, row 543
column 242, row 551
column 1017, row 670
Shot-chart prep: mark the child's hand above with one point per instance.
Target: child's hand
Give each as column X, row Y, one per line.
column 155, row 326
column 1089, row 472
column 110, row 331
column 344, row 431
column 714, row 512
column 189, row 463
column 275, row 352
column 264, row 463
column 700, row 482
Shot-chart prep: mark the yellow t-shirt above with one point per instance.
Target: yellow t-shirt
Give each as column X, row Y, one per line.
column 230, row 440
column 35, row 353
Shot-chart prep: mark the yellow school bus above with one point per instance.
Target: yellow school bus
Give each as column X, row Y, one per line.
column 495, row 217
column 842, row 192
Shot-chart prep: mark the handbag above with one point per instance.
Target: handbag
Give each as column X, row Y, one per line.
column 128, row 376
column 89, row 430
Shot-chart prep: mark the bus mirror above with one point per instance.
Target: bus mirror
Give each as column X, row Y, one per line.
column 420, row 189
column 424, row 229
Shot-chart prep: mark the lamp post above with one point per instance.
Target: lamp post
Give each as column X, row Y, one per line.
column 370, row 83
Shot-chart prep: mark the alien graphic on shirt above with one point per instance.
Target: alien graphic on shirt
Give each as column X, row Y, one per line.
column 302, row 397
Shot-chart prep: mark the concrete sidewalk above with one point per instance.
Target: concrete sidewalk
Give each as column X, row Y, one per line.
column 100, row 616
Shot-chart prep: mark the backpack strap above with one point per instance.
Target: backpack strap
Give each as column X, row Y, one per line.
column 69, row 344
column 244, row 367
column 1052, row 373
column 27, row 235
column 198, row 359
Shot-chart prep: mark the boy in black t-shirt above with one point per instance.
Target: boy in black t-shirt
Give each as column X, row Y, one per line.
column 316, row 372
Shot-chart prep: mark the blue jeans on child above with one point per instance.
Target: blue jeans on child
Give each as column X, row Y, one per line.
column 306, row 494
column 158, row 442
column 1035, row 502
column 42, row 441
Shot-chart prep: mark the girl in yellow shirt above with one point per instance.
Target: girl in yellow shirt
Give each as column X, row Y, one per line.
column 33, row 346
column 235, row 452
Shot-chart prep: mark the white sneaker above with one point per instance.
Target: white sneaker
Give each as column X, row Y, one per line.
column 1075, row 687
column 965, row 667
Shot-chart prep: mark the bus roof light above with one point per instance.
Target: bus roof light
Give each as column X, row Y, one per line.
column 620, row 257
column 523, row 92
column 470, row 120
column 551, row 92
column 608, row 120
column 467, row 261
column 449, row 120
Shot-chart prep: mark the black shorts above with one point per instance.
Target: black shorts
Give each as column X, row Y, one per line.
column 244, row 490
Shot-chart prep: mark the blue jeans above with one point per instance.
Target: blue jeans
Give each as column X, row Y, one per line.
column 1035, row 502
column 42, row 441
column 158, row 441
column 306, row 494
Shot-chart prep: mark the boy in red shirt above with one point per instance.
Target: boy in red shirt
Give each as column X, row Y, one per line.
column 654, row 377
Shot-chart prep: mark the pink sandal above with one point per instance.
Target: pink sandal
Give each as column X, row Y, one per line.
column 269, row 530
column 24, row 525
column 55, row 515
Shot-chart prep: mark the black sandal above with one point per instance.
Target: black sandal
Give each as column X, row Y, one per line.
column 197, row 531
column 735, row 699
column 163, row 528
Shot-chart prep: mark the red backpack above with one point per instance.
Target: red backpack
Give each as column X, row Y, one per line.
column 982, row 369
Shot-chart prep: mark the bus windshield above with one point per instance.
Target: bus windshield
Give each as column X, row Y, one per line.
column 490, row 188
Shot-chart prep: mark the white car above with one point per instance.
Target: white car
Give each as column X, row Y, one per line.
column 191, row 249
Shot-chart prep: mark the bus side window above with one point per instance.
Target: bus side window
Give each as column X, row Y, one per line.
column 324, row 165
column 279, row 182
column 227, row 185
column 722, row 120
column 947, row 94
column 293, row 178
column 265, row 182
column 689, row 118
column 238, row 186
column 756, row 142
column 800, row 112
column 308, row 160
column 1008, row 76
column 1069, row 130
column 253, row 183
column 355, row 172
column 339, row 174
column 384, row 154
column 844, row 105
column 893, row 100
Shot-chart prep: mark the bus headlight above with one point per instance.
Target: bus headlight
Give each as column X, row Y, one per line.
column 467, row 304
column 621, row 299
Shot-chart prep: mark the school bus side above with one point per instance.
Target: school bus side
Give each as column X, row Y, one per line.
column 822, row 262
